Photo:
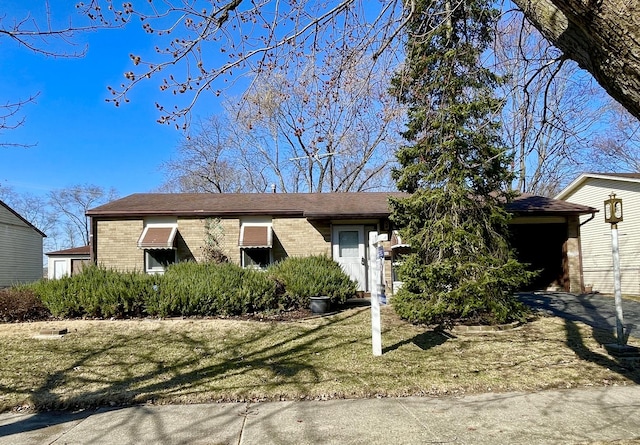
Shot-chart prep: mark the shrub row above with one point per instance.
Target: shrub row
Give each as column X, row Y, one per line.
column 98, row 292
column 21, row 304
column 190, row 289
column 212, row 289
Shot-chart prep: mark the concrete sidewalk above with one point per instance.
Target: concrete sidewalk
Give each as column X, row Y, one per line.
column 546, row 417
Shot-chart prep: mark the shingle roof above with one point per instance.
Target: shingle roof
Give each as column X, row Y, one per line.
column 309, row 205
column 83, row 250
column 533, row 204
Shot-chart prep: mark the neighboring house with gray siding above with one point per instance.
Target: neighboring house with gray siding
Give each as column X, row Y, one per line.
column 20, row 248
column 148, row 231
column 592, row 189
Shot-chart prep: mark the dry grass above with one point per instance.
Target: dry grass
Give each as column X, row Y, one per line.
column 189, row 361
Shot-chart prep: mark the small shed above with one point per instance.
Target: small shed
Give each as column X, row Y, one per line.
column 67, row 262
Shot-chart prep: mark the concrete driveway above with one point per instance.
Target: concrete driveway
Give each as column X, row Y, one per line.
column 595, row 310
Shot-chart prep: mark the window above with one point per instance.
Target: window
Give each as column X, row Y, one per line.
column 255, row 258
column 158, row 242
column 256, row 241
column 157, row 260
column 348, row 244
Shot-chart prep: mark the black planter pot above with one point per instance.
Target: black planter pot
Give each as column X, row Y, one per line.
column 319, row 305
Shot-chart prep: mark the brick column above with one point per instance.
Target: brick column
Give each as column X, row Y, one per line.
column 573, row 256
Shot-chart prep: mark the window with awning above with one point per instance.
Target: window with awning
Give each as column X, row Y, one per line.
column 256, row 241
column 157, row 237
column 256, row 237
column 397, row 242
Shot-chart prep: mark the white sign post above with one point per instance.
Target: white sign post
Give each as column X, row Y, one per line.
column 376, row 263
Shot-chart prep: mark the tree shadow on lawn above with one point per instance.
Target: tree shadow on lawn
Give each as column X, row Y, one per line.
column 602, row 329
column 425, row 341
column 170, row 377
column 626, row 367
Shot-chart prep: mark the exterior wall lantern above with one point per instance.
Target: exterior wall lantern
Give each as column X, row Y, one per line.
column 613, row 215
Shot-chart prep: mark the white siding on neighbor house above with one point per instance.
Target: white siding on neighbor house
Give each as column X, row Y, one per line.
column 20, row 250
column 595, row 235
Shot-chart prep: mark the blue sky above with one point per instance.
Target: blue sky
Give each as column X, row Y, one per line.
column 79, row 137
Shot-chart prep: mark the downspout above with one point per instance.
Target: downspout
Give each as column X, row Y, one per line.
column 593, row 215
column 92, row 246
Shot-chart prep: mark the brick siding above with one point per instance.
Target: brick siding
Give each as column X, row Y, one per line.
column 300, row 237
column 117, row 240
column 193, row 232
column 117, row 244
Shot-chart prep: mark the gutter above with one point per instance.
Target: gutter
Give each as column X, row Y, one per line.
column 593, row 215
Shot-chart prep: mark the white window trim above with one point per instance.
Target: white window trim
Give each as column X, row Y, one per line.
column 160, row 269
column 256, row 222
column 244, row 266
column 159, row 222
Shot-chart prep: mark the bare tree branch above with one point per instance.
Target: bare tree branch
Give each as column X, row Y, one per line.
column 255, row 37
column 10, row 119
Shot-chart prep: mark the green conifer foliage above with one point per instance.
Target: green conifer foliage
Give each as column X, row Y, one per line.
column 455, row 168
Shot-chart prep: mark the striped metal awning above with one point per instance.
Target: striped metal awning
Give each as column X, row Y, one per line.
column 256, row 236
column 157, row 238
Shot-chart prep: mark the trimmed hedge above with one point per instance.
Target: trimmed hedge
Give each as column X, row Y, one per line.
column 312, row 276
column 191, row 289
column 98, row 292
column 212, row 289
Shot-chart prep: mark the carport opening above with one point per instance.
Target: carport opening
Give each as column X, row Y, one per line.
column 541, row 246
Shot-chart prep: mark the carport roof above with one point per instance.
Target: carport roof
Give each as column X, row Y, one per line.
column 527, row 204
column 308, row 205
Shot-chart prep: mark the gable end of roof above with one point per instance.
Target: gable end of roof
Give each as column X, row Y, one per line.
column 621, row 177
column 17, row 215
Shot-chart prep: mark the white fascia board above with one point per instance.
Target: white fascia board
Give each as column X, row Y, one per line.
column 584, row 176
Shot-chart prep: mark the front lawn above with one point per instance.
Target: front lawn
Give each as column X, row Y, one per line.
column 205, row 360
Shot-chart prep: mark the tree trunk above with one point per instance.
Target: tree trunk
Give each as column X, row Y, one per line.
column 602, row 36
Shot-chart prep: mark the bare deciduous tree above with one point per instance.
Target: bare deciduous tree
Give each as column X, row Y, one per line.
column 72, row 204
column 251, row 37
column 552, row 108
column 258, row 36
column 45, row 33
column 323, row 129
column 207, row 161
column 36, row 210
column 618, row 149
column 10, row 119
column 305, row 131
column 602, row 37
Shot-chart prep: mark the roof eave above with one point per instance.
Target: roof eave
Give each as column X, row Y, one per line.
column 227, row 213
column 361, row 215
column 584, row 176
column 552, row 213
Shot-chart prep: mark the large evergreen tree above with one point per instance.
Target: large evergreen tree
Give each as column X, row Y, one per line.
column 455, row 169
